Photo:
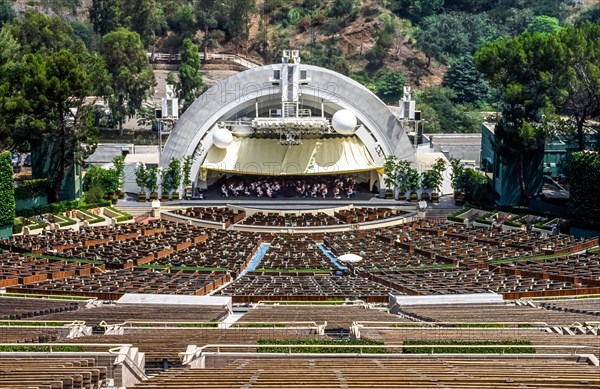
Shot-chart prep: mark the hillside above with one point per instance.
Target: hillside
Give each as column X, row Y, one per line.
column 341, row 34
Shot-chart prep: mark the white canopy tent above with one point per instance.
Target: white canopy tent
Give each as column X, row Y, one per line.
column 270, row 157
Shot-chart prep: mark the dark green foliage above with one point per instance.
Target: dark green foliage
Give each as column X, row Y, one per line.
column 7, row 190
column 60, row 207
column 40, row 348
column 467, row 82
column 171, row 177
column 31, row 188
column 7, row 13
column 416, row 9
column 17, row 226
column 94, row 193
column 190, row 84
column 105, row 15
column 590, row 14
column 442, row 114
column 583, row 172
column 270, row 346
column 106, row 179
column 453, row 34
column 130, row 73
column 388, row 85
column 182, row 20
column 468, row 350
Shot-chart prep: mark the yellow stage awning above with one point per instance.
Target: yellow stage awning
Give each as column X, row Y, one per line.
column 269, row 157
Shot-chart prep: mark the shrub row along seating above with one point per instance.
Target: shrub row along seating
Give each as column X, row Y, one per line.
column 159, row 344
column 224, row 215
column 492, row 313
column 336, row 316
column 259, row 287
column 291, row 219
column 367, row 372
column 51, row 372
column 564, row 344
column 20, row 308
column 111, row 285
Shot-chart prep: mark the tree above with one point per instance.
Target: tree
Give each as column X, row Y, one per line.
column 151, row 179
column 575, row 80
column 450, row 117
column 467, row 82
column 171, row 177
column 543, row 24
column 41, row 34
column 182, row 21
column 206, row 14
column 417, row 9
column 143, row 17
column 105, row 15
column 7, row 13
column 186, row 169
column 42, row 97
column 7, row 191
column 140, row 176
column 237, row 24
column 97, row 176
column 450, row 35
column 522, row 71
column 131, row 75
column 190, row 84
column 119, row 168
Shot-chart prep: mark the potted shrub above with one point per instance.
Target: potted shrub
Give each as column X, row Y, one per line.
column 141, row 196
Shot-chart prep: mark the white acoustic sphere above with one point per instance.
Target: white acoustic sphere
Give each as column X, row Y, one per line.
column 222, row 137
column 344, row 122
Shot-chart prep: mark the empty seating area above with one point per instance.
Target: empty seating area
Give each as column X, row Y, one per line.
column 228, row 250
column 336, row 316
column 19, row 270
column 112, row 284
column 395, row 372
column 291, row 219
column 255, row 287
column 295, row 252
column 361, row 215
column 584, row 306
column 471, row 281
column 51, row 372
column 223, row 215
column 492, row 313
column 21, row 308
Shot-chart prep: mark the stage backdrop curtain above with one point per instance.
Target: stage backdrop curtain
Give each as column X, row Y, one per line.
column 269, row 157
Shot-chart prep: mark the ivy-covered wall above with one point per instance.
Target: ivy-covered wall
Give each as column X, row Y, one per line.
column 7, row 194
column 584, row 177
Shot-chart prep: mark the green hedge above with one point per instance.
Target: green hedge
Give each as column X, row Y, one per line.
column 197, row 325
column 41, row 349
column 60, row 207
column 31, row 188
column 93, row 218
column 7, row 190
column 17, row 226
column 271, row 346
column 33, row 323
column 124, row 215
column 468, row 350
